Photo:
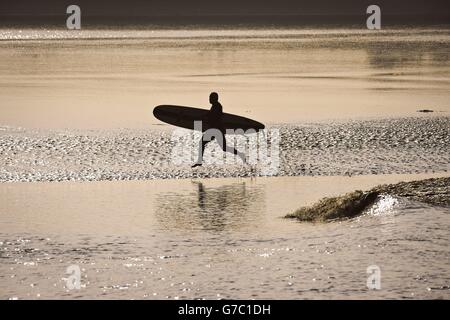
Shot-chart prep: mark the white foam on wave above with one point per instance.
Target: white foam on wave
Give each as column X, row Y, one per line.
column 385, row 204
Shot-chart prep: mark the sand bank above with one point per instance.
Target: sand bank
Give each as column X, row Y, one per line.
column 388, row 146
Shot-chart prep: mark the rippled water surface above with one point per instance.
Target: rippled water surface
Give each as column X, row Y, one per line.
column 113, row 78
column 387, row 146
column 78, row 106
column 216, row 238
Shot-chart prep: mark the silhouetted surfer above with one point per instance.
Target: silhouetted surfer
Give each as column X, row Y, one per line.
column 214, row 118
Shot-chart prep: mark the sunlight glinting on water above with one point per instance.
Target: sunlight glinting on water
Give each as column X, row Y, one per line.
column 253, row 34
column 385, row 204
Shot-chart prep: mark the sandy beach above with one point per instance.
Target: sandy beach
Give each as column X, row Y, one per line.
column 88, row 179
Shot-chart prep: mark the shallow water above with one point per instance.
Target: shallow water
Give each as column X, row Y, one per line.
column 404, row 145
column 114, row 78
column 216, row 238
column 219, row 238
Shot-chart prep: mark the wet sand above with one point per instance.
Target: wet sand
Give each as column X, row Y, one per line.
column 404, row 145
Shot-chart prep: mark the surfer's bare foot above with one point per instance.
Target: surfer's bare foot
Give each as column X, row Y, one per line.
column 196, row 165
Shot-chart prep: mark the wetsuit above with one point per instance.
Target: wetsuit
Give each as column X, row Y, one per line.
column 214, row 118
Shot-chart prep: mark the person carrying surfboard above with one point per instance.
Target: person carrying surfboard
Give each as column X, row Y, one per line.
column 214, row 119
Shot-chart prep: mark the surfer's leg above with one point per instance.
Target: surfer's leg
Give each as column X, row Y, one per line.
column 201, row 148
column 227, row 148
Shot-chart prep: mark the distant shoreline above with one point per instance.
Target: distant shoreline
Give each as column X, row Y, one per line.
column 223, row 21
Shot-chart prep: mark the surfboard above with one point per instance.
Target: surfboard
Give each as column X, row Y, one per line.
column 184, row 117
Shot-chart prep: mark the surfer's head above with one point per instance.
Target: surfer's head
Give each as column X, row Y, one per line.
column 213, row 97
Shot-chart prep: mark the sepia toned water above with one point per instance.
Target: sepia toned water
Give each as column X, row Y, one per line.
column 216, row 238
column 220, row 238
column 113, row 78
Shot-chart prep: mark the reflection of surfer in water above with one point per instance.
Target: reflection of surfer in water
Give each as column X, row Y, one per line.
column 214, row 119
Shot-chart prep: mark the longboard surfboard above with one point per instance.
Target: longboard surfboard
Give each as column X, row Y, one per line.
column 184, row 117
